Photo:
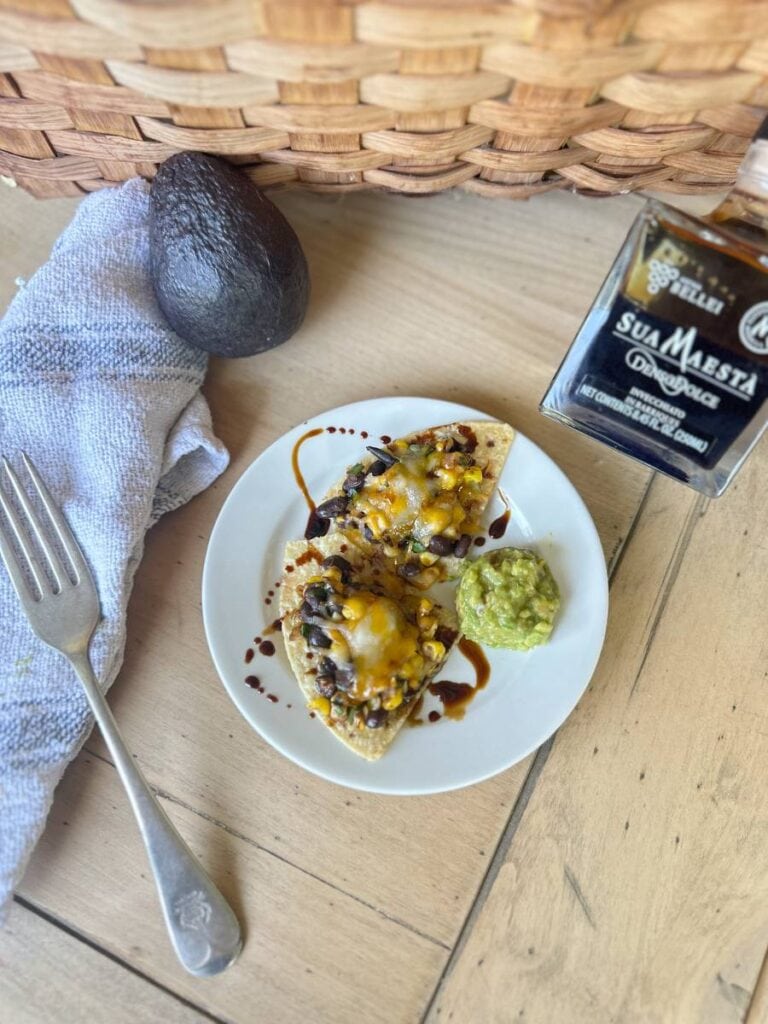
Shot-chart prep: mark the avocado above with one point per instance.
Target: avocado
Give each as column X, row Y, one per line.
column 227, row 268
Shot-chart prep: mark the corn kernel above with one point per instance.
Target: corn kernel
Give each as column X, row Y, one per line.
column 390, row 703
column 315, row 579
column 425, row 605
column 320, row 704
column 449, row 478
column 377, row 523
column 427, row 558
column 473, row 475
column 435, row 518
column 427, row 622
column 353, row 608
column 433, row 649
column 425, row 578
column 413, row 667
column 339, row 649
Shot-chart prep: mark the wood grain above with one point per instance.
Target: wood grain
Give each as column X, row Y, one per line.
column 49, row 976
column 331, row 884
column 635, row 887
column 311, row 951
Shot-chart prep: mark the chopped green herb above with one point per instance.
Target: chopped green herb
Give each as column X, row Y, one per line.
column 354, row 470
column 417, row 547
column 421, row 449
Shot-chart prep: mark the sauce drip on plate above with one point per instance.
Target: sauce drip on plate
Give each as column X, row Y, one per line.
column 456, row 696
column 498, row 527
column 297, row 471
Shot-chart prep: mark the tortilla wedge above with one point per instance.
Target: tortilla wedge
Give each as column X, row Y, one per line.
column 400, row 507
column 368, row 576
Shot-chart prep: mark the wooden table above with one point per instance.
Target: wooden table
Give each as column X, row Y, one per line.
column 620, row 874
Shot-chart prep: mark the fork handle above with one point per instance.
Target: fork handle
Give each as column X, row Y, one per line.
column 203, row 929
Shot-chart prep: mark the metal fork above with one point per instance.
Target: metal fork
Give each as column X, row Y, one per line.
column 204, row 931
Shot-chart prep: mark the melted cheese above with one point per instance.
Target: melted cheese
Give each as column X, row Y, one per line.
column 403, row 492
column 382, row 644
column 420, row 496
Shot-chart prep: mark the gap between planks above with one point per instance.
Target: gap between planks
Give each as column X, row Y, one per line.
column 393, row 919
column 542, row 754
column 70, row 930
column 502, row 847
column 757, row 1009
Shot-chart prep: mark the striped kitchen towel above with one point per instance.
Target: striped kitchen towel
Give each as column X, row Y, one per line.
column 106, row 400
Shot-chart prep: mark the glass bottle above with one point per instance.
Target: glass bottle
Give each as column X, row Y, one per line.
column 671, row 363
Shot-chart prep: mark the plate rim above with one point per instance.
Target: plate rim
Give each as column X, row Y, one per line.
column 275, row 743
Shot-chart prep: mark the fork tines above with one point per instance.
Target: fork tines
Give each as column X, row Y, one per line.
column 32, row 534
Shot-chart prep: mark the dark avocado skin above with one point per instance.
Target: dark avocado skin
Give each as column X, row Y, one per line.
column 228, row 271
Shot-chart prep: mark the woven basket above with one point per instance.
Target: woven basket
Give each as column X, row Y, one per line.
column 416, row 96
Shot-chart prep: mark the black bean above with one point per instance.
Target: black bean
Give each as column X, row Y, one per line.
column 353, row 482
column 445, row 635
column 307, row 612
column 326, row 666
column 462, row 545
column 325, row 686
column 382, row 455
column 345, row 677
column 333, row 507
column 340, row 563
column 316, row 527
column 375, row 719
column 377, row 468
column 368, row 532
column 316, row 637
column 409, row 569
column 441, row 545
column 316, row 595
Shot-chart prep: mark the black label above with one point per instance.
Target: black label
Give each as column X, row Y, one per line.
column 670, row 382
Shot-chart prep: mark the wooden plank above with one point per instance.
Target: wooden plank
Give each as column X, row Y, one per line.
column 635, row 887
column 30, row 228
column 311, row 951
column 407, row 294
column 49, row 976
column 382, row 307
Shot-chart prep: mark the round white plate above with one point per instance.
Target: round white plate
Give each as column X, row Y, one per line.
column 529, row 694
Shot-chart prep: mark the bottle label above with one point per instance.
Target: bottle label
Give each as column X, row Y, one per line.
column 682, row 353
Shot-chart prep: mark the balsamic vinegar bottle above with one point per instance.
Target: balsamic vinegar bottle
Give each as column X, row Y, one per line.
column 671, row 364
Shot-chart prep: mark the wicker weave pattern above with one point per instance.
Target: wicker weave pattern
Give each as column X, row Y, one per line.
column 416, row 96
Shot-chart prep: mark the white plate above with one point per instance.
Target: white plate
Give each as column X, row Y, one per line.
column 529, row 695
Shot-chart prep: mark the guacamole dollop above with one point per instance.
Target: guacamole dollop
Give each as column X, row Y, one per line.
column 508, row 598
